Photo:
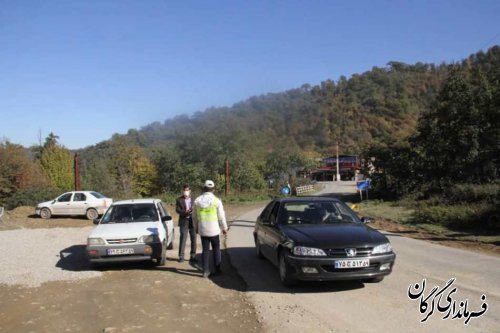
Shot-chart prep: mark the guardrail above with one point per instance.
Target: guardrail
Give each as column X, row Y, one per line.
column 304, row 189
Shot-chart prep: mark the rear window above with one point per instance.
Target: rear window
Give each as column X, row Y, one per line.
column 131, row 213
column 98, row 195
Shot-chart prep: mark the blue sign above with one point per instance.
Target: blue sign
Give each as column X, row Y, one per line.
column 364, row 185
column 285, row 190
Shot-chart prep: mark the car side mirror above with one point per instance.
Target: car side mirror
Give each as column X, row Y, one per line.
column 366, row 219
column 166, row 218
column 96, row 221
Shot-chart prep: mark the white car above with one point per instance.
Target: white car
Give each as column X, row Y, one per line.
column 87, row 203
column 132, row 230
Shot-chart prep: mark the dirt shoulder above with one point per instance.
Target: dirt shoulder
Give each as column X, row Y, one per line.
column 124, row 297
column 417, row 233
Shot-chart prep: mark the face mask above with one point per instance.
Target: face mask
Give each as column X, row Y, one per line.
column 187, row 193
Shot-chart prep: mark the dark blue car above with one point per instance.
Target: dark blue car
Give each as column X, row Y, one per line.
column 320, row 239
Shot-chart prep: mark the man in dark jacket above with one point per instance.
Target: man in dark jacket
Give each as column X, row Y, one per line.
column 184, row 207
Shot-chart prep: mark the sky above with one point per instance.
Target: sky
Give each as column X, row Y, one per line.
column 85, row 70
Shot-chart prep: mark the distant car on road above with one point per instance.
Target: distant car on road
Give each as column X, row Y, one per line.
column 132, row 230
column 320, row 238
column 87, row 203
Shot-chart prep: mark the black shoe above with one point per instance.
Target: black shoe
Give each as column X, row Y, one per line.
column 192, row 260
column 181, row 259
column 206, row 274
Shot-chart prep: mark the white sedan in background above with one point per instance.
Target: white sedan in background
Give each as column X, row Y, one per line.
column 87, row 203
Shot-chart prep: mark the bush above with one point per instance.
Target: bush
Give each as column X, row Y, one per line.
column 479, row 216
column 461, row 193
column 31, row 196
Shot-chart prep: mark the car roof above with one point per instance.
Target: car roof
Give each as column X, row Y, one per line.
column 307, row 199
column 135, row 201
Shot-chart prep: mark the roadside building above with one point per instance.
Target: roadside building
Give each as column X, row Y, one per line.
column 349, row 166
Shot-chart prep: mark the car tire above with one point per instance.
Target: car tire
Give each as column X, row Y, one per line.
column 257, row 249
column 162, row 259
column 45, row 213
column 286, row 276
column 92, row 214
column 171, row 245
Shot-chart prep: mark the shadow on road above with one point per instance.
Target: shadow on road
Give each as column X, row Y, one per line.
column 259, row 275
column 345, row 197
column 73, row 258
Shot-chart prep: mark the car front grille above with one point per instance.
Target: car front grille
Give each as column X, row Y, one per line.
column 341, row 252
column 122, row 241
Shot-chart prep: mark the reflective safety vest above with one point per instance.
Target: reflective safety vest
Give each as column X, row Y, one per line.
column 208, row 214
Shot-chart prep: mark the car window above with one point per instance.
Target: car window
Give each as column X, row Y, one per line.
column 163, row 210
column 346, row 213
column 131, row 213
column 265, row 213
column 274, row 213
column 316, row 212
column 66, row 197
column 79, row 197
column 97, row 195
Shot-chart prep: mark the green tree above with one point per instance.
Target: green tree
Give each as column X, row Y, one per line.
column 57, row 163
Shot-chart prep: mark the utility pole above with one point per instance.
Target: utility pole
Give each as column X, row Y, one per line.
column 338, row 170
column 77, row 173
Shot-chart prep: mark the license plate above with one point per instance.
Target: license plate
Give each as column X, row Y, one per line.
column 112, row 252
column 358, row 263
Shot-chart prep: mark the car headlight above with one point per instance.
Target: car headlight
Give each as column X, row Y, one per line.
column 308, row 251
column 95, row 241
column 146, row 239
column 383, row 248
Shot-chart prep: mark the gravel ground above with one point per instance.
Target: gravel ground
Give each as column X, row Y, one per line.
column 31, row 257
column 35, row 251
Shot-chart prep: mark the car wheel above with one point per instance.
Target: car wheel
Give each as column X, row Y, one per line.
column 286, row 275
column 92, row 214
column 257, row 249
column 45, row 213
column 171, row 245
column 160, row 261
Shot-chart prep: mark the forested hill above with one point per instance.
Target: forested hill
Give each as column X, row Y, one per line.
column 269, row 135
column 380, row 105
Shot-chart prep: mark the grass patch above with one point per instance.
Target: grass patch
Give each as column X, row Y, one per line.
column 468, row 222
column 386, row 210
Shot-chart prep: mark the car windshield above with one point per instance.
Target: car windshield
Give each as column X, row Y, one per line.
column 323, row 212
column 145, row 212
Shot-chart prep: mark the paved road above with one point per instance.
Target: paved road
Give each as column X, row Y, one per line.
column 370, row 307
